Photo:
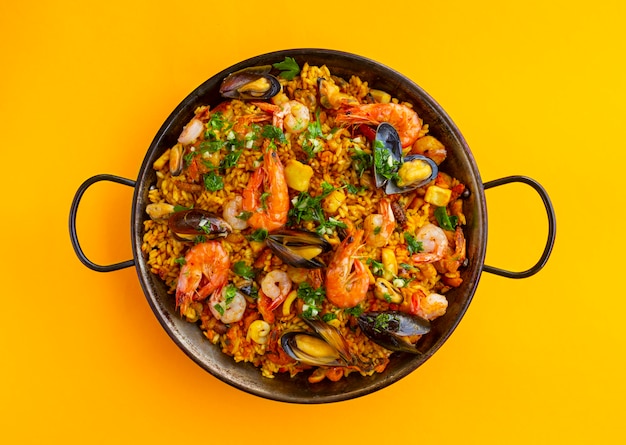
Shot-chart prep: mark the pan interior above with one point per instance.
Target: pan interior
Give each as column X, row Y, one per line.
column 460, row 163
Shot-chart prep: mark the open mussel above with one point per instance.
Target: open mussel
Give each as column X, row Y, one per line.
column 395, row 172
column 298, row 248
column 186, row 225
column 394, row 330
column 323, row 347
column 255, row 83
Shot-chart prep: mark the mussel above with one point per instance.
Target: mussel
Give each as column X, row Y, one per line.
column 395, row 172
column 186, row 225
column 254, row 83
column 323, row 347
column 394, row 330
column 298, row 248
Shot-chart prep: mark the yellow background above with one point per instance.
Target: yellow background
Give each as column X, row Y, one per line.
column 536, row 87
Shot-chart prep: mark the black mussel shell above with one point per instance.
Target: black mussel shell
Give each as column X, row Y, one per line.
column 390, row 329
column 188, row 224
column 390, row 164
column 254, row 83
column 387, row 153
column 298, row 248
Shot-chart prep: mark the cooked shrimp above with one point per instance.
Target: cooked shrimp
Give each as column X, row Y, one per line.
column 191, row 131
column 232, row 213
column 430, row 147
column 432, row 306
column 291, row 116
column 227, row 304
column 267, row 195
column 379, row 226
column 347, row 279
column 276, row 285
column 404, row 119
column 205, row 270
column 434, row 243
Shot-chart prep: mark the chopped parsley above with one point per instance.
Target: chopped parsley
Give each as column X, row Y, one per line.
column 386, row 165
column 311, row 144
column 243, row 270
column 213, row 182
column 413, row 245
column 208, row 146
column 264, row 197
column 376, row 267
column 312, row 299
column 353, row 189
column 446, row 222
column 258, row 235
column 309, row 208
column 361, row 161
column 354, row 311
column 326, row 227
column 244, row 216
column 274, row 133
column 382, row 321
column 231, row 159
column 289, row 68
column 180, row 261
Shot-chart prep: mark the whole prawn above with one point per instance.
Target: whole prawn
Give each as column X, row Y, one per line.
column 347, row 280
column 404, row 119
column 205, row 271
column 267, row 195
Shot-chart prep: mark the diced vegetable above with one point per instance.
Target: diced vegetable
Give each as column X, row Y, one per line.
column 333, row 201
column 298, row 175
column 438, row 196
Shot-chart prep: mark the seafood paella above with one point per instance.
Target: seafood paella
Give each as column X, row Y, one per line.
column 306, row 223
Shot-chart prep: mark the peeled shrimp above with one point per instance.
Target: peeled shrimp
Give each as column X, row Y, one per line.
column 432, row 306
column 404, row 119
column 232, row 213
column 379, row 226
column 434, row 244
column 191, row 131
column 205, row 270
column 276, row 285
column 227, row 304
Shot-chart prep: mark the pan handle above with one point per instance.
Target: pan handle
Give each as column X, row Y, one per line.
column 551, row 226
column 74, row 210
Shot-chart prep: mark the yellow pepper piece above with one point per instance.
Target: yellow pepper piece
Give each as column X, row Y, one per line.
column 289, row 301
column 298, row 175
column 438, row 196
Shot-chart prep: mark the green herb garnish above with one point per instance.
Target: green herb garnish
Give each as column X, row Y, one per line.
column 274, row 133
column 243, row 270
column 413, row 245
column 354, row 311
column 386, row 165
column 244, row 216
column 289, row 68
column 446, row 222
column 376, row 267
column 361, row 161
column 258, row 235
column 312, row 299
column 231, row 159
column 213, row 182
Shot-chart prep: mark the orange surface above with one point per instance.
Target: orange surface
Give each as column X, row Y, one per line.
column 537, row 88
